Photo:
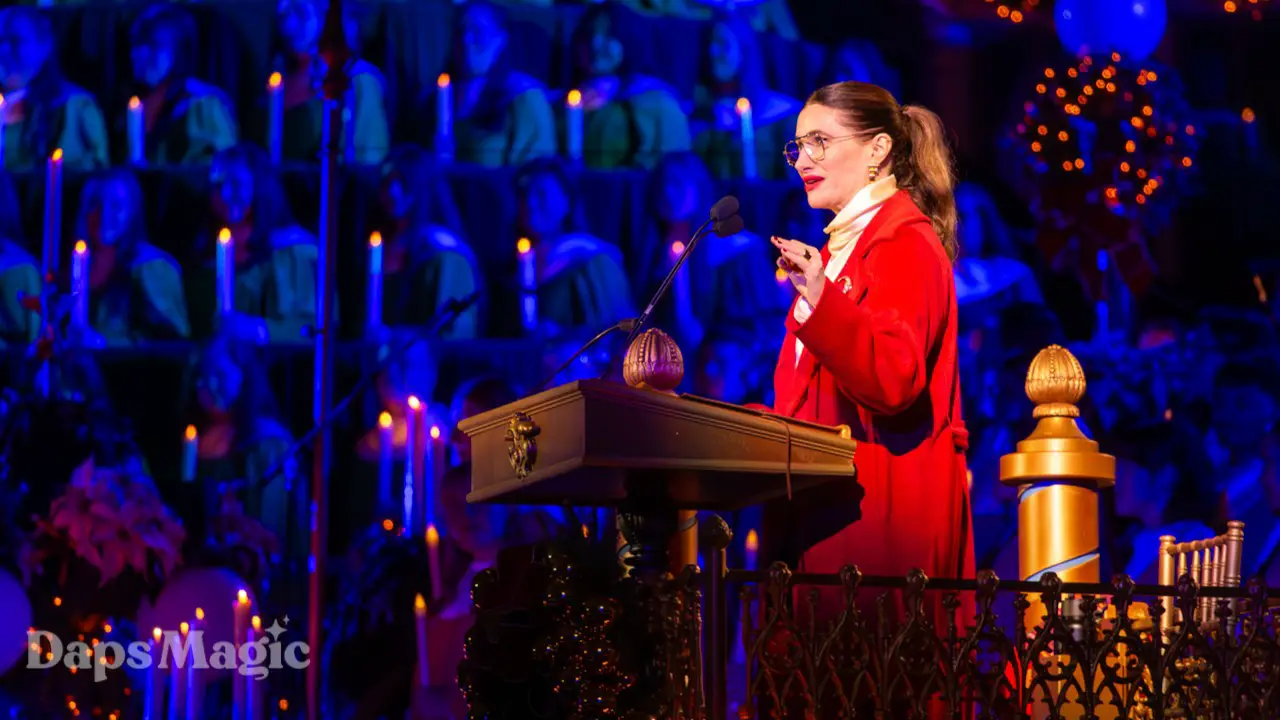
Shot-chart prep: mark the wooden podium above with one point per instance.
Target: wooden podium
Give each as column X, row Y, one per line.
column 649, row 454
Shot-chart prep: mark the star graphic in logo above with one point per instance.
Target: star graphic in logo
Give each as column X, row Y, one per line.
column 276, row 629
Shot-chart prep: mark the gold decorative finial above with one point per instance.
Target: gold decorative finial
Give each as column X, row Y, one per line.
column 1055, row 383
column 653, row 361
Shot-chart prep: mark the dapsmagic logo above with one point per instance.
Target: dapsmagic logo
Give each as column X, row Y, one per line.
column 255, row 659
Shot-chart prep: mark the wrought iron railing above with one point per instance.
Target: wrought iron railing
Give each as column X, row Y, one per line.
column 569, row 636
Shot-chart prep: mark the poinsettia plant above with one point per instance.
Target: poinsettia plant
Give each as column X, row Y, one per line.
column 109, row 526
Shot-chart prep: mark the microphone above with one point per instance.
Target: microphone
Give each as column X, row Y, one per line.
column 626, row 326
column 724, row 221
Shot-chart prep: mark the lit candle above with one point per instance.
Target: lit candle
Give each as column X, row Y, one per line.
column 433, row 558
column 573, row 121
column 528, row 284
column 80, row 286
column 375, row 282
column 190, row 453
column 439, row 457
column 177, row 682
column 684, row 296
column 412, row 463
column 753, row 548
column 136, row 132
column 386, row 455
column 241, row 610
column 226, row 272
column 748, row 138
column 4, row 120
column 153, row 704
column 52, row 216
column 275, row 117
column 444, row 116
column 420, row 622
column 195, row 696
column 255, row 708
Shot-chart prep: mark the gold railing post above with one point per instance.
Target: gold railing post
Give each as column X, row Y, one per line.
column 1167, row 577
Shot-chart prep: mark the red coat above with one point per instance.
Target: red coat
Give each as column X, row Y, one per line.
column 880, row 357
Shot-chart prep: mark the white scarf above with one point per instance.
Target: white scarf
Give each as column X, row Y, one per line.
column 843, row 233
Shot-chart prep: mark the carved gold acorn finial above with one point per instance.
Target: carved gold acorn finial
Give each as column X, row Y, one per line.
column 1055, row 383
column 653, row 361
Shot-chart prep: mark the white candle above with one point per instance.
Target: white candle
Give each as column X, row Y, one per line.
column 753, row 548
column 375, row 282
column 275, row 117
column 52, row 215
column 241, row 610
column 195, row 694
column 190, row 453
column 153, row 703
column 226, row 272
column 420, row 624
column 255, row 708
column 411, row 462
column 748, row 138
column 386, row 455
column 177, row 681
column 433, row 559
column 444, row 116
column 80, row 286
column 136, row 126
column 528, row 284
column 573, row 122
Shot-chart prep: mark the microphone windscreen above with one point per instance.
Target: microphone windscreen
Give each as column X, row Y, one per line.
column 729, row 226
column 726, row 208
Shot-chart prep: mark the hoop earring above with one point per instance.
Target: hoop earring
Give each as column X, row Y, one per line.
column 873, row 171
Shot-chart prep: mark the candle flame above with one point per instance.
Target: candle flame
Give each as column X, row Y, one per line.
column 419, row 605
column 1248, row 115
column 1, row 101
column 81, row 247
column 106, row 628
column 781, row 275
column 442, row 81
column 256, row 622
column 433, row 536
column 135, row 104
column 275, row 81
column 523, row 246
column 586, row 532
column 743, row 106
column 200, row 614
column 284, row 704
column 191, row 432
column 242, row 597
column 388, row 525
column 157, row 633
column 56, row 156
column 224, row 236
column 575, row 98
column 677, row 247
column 375, row 239
column 414, row 403
column 384, row 420
column 57, row 602
column 753, row 541
column 1262, row 291
column 184, row 628
column 435, row 432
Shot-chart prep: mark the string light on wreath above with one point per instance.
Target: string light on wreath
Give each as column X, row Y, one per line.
column 1108, row 132
column 1252, row 7
column 1017, row 10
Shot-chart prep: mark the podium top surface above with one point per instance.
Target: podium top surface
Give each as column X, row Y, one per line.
column 597, row 443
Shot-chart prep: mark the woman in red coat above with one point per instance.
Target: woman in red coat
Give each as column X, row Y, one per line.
column 871, row 339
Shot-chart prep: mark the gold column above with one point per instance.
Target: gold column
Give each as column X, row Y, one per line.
column 1058, row 472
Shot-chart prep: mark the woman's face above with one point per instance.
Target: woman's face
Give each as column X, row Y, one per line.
column 605, row 53
column 22, row 51
column 725, row 53
column 110, row 217
column 232, row 191
column 396, row 198
column 219, row 387
column 545, row 206
column 300, row 22
column 678, row 199
column 843, row 169
column 482, row 41
column 153, row 58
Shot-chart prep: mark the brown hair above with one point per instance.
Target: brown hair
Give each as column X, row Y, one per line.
column 920, row 159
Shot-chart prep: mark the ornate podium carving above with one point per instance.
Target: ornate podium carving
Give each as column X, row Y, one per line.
column 578, row 635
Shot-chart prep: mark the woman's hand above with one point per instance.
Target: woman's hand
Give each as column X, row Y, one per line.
column 803, row 264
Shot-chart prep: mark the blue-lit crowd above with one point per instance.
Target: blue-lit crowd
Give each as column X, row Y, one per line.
column 464, row 192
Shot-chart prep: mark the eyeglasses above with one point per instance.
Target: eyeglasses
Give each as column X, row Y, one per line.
column 814, row 146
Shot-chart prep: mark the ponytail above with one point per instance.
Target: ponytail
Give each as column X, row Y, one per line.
column 925, row 170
